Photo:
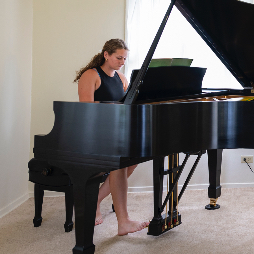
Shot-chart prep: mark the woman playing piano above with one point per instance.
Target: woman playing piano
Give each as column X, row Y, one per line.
column 101, row 80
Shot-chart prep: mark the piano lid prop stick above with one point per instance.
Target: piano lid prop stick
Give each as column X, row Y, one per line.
column 132, row 94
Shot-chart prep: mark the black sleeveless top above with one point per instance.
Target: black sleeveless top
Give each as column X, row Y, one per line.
column 111, row 88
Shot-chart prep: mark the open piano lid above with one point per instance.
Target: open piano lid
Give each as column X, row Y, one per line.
column 226, row 27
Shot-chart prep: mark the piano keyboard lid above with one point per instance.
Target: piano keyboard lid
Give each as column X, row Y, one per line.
column 226, row 27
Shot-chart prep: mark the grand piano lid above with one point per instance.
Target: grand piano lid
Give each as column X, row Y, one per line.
column 225, row 25
column 227, row 28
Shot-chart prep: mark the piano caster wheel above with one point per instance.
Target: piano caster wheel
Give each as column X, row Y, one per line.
column 68, row 227
column 212, row 205
column 37, row 222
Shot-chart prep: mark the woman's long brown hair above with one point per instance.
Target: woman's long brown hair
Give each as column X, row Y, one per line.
column 98, row 60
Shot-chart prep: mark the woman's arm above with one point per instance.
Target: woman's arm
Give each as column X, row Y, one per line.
column 124, row 81
column 88, row 83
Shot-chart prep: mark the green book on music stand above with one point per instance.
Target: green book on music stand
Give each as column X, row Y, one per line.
column 170, row 62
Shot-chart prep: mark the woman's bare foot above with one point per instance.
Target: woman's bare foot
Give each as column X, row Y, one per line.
column 98, row 218
column 98, row 221
column 131, row 227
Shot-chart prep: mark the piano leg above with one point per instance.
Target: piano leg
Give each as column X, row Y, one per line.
column 158, row 175
column 86, row 181
column 214, row 189
column 85, row 213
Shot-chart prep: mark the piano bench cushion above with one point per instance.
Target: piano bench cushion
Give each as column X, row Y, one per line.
column 55, row 177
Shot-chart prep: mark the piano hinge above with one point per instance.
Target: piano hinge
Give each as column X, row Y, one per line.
column 252, row 85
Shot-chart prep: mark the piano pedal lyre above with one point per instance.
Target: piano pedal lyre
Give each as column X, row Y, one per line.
column 162, row 223
column 173, row 216
column 174, row 219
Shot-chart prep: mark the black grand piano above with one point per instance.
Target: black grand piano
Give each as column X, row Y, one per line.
column 89, row 140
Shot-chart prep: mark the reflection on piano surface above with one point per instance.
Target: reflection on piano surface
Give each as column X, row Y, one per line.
column 211, row 98
column 149, row 126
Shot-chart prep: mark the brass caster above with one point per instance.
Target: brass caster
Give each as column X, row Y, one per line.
column 212, row 205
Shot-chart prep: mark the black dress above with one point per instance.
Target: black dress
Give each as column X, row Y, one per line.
column 111, row 88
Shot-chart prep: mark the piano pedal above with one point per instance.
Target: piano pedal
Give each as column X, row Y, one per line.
column 158, row 226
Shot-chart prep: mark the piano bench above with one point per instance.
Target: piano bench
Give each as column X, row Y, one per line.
column 69, row 203
column 52, row 179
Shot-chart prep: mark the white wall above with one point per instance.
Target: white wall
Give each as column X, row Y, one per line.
column 67, row 34
column 15, row 101
column 234, row 174
column 64, row 35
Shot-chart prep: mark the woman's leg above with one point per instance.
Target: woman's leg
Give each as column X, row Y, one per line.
column 118, row 187
column 104, row 192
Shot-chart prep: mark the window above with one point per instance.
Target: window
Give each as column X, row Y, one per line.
column 179, row 40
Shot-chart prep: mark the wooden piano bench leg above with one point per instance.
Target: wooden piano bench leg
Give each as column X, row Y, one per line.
column 38, row 200
column 69, row 203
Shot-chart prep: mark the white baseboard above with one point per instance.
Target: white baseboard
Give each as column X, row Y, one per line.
column 237, row 185
column 13, row 205
column 150, row 188
column 192, row 187
column 48, row 194
column 25, row 197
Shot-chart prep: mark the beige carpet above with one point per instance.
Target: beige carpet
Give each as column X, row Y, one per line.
column 227, row 230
